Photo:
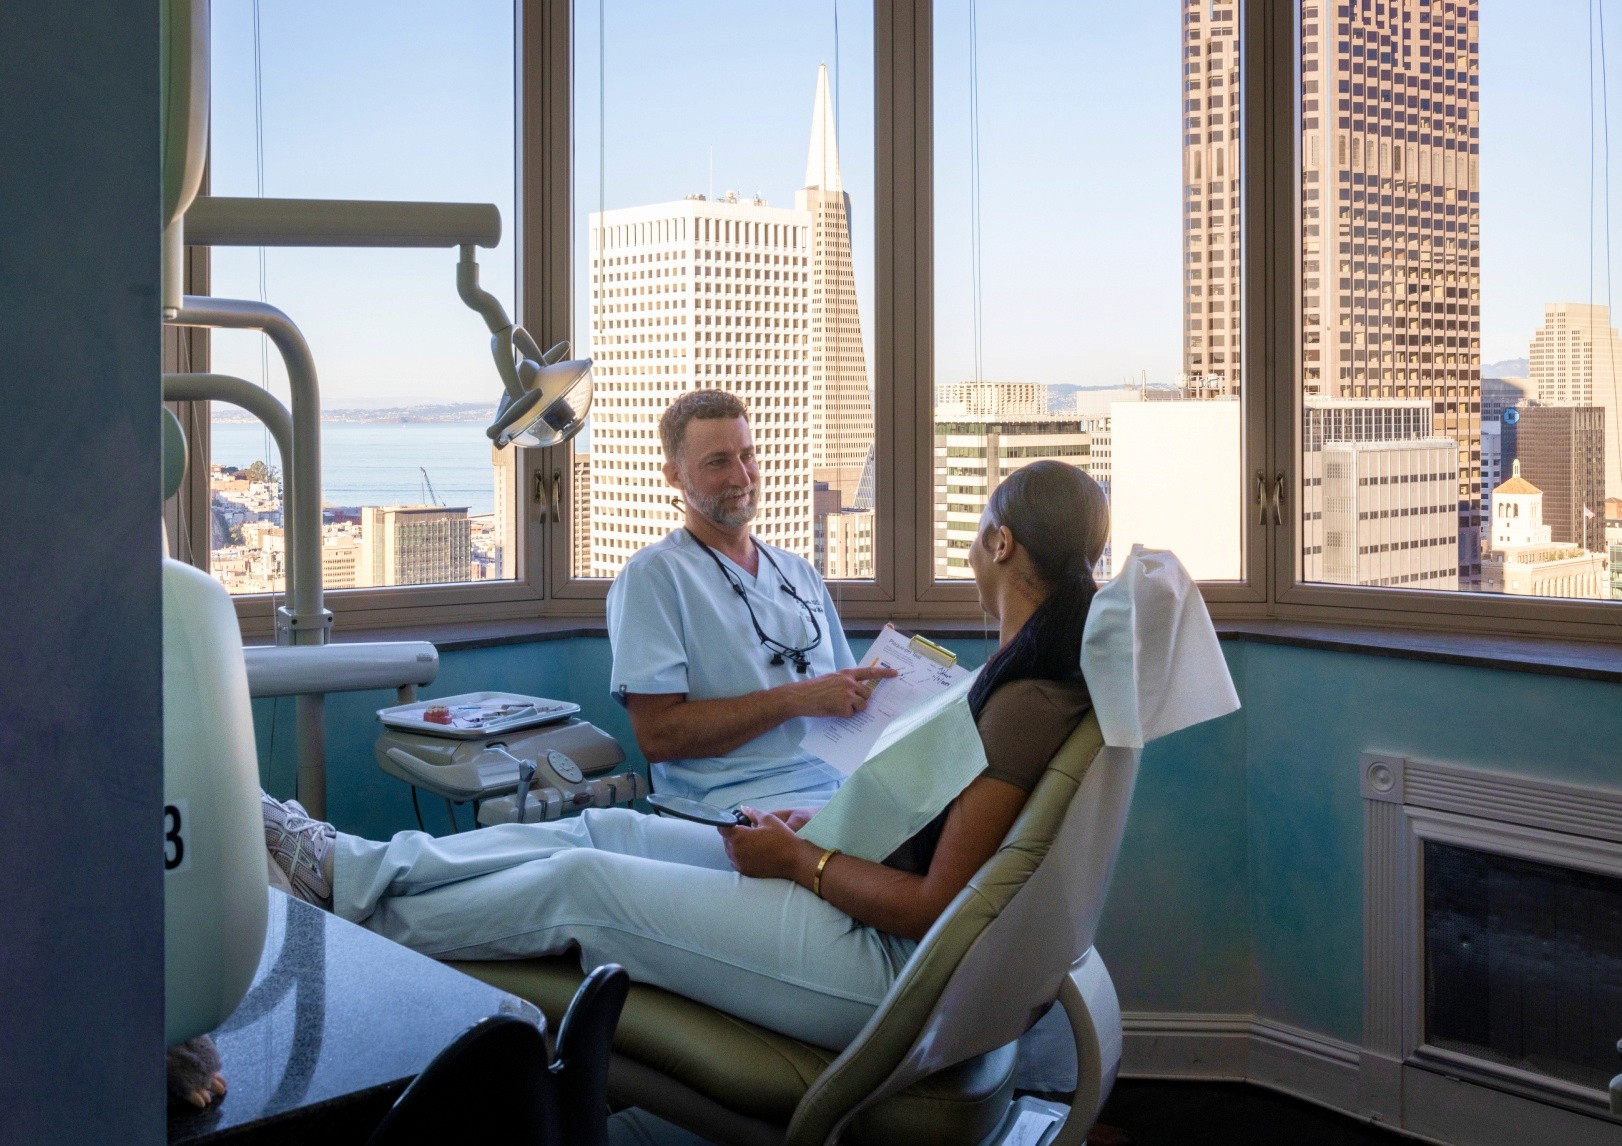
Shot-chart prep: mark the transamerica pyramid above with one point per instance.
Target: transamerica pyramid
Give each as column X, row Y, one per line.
column 841, row 403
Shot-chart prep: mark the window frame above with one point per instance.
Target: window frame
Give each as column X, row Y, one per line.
column 904, row 587
column 1271, row 43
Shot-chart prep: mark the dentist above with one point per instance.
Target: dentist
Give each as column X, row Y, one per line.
column 724, row 645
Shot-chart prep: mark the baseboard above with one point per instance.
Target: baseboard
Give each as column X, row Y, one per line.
column 1244, row 1049
column 1158, row 1045
column 1329, row 1072
column 1307, row 1065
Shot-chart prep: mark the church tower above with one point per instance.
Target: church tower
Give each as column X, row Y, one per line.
column 1517, row 515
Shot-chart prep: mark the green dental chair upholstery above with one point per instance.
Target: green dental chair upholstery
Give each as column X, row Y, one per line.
column 936, row 1062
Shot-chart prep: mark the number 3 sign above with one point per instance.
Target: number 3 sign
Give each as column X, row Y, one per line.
column 176, row 826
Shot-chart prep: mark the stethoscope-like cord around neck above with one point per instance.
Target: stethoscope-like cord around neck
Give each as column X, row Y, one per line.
column 779, row 649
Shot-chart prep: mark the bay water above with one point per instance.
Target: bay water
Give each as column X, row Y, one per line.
column 379, row 463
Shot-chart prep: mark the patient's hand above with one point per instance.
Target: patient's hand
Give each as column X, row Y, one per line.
column 795, row 818
column 769, row 849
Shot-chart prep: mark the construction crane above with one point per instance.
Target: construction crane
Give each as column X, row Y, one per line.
column 429, row 496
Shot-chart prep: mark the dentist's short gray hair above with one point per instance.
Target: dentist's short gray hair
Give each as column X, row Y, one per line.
column 705, row 404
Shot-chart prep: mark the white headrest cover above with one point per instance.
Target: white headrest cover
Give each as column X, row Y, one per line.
column 1150, row 655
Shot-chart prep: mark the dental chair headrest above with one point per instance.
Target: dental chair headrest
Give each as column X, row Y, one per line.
column 1150, row 655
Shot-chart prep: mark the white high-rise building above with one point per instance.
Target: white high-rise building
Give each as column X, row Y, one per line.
column 733, row 295
column 1389, row 513
column 1348, row 420
column 504, row 471
column 1576, row 360
column 991, row 400
column 689, row 295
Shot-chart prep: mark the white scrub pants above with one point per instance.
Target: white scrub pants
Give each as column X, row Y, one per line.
column 656, row 895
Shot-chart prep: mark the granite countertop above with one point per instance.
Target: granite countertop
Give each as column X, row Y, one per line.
column 337, row 1022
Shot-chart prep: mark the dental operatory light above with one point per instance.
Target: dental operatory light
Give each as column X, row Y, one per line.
column 553, row 407
column 548, row 394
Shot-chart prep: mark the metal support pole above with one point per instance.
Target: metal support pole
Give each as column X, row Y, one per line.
column 305, row 619
column 264, row 406
column 311, row 710
column 221, row 221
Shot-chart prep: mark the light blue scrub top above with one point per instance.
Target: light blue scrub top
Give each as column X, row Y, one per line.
column 677, row 626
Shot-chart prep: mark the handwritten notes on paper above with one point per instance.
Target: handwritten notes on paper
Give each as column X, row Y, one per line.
column 923, row 670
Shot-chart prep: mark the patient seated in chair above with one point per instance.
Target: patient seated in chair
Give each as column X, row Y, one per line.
column 757, row 920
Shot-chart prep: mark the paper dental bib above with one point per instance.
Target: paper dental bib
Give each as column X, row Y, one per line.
column 921, row 763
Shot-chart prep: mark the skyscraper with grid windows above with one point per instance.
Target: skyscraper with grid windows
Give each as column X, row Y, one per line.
column 698, row 294
column 1211, row 314
column 1390, row 213
column 728, row 294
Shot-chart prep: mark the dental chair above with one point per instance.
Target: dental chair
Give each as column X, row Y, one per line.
column 936, row 1062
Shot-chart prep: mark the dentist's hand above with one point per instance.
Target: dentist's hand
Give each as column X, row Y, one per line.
column 769, row 849
column 842, row 693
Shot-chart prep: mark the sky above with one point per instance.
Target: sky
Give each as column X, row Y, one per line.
column 1078, row 159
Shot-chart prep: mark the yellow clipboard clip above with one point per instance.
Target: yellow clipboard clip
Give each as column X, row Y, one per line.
column 926, row 647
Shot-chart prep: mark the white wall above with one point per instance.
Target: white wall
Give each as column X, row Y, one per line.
column 1178, row 483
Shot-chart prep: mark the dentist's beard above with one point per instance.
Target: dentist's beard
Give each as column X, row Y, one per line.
column 722, row 509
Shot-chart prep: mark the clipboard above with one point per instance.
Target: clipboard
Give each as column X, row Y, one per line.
column 937, row 653
column 925, row 669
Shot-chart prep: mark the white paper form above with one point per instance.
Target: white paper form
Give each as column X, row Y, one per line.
column 846, row 742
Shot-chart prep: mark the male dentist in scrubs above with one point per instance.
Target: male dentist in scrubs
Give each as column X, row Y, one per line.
column 725, row 645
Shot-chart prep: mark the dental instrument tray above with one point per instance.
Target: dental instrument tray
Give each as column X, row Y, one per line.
column 560, row 767
column 476, row 715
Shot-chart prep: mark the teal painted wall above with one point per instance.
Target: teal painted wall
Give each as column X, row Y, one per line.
column 1309, row 717
column 1176, row 930
column 1239, row 886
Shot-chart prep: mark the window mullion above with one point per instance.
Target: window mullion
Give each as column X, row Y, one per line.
column 544, row 199
column 1272, row 238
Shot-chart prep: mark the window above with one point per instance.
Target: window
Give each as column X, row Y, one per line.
column 723, row 236
column 366, row 101
column 1070, row 321
column 1014, row 241
column 1459, row 407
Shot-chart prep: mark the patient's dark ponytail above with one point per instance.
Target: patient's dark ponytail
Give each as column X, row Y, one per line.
column 1060, row 517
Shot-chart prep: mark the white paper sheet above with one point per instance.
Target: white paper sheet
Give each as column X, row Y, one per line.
column 846, row 742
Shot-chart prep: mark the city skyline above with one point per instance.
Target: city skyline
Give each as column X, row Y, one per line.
column 770, row 300
column 348, row 94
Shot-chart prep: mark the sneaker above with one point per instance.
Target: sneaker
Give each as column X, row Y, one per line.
column 301, row 847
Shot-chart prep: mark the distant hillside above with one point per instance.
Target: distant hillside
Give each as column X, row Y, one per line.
column 1508, row 368
column 442, row 412
column 1060, row 394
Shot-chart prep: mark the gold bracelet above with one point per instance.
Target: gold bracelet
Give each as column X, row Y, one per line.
column 816, row 880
